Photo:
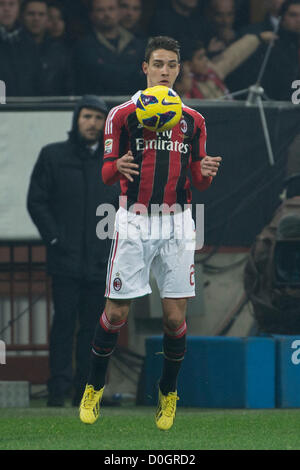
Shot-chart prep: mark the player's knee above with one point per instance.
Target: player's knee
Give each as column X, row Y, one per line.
column 117, row 317
column 174, row 320
column 117, row 311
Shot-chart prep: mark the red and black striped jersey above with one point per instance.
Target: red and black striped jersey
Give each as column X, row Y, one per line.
column 164, row 158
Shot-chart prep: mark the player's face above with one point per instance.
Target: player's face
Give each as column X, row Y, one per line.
column 9, row 12
column 162, row 69
column 291, row 20
column 35, row 18
column 90, row 124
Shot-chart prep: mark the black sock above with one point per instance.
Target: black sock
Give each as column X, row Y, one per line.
column 174, row 349
column 105, row 340
column 168, row 381
column 98, row 371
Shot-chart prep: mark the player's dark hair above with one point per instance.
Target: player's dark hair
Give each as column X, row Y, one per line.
column 162, row 42
column 286, row 5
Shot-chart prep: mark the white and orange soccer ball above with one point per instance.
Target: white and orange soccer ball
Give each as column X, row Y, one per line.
column 159, row 108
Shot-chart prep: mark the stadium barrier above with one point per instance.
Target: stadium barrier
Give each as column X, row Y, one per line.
column 288, row 373
column 231, row 372
column 25, row 310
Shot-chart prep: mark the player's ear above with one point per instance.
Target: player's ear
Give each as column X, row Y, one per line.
column 145, row 67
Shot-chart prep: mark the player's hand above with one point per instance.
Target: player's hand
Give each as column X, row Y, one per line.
column 210, row 165
column 126, row 167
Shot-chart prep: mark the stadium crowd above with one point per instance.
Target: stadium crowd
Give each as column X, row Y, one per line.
column 77, row 47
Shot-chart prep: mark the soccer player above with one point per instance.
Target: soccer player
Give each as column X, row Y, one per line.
column 152, row 169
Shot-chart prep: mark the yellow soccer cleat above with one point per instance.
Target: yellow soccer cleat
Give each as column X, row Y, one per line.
column 166, row 410
column 89, row 409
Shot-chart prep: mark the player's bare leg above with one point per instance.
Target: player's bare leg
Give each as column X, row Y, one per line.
column 105, row 340
column 174, row 345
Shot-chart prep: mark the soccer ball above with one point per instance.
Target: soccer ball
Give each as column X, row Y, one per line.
column 159, row 108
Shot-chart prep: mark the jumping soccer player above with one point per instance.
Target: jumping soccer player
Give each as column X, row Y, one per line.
column 152, row 169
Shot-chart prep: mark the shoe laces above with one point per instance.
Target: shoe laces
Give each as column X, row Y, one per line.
column 89, row 397
column 169, row 404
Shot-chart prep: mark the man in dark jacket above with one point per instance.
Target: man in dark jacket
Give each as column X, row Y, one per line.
column 284, row 62
column 181, row 20
column 19, row 66
column 65, row 191
column 56, row 76
column 283, row 65
column 107, row 60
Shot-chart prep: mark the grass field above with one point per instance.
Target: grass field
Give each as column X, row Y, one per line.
column 133, row 428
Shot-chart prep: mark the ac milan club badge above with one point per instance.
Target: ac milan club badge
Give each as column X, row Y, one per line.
column 183, row 126
column 117, row 283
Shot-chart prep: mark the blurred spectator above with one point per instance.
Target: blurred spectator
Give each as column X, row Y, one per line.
column 284, row 61
column 9, row 12
column 207, row 83
column 271, row 20
column 273, row 12
column 77, row 18
column 56, row 21
column 209, row 75
column 18, row 57
column 184, row 83
column 182, row 20
column 56, row 73
column 272, row 17
column 131, row 13
column 283, row 66
column 221, row 14
column 34, row 15
column 108, row 60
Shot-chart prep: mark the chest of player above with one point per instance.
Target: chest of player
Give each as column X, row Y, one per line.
column 168, row 145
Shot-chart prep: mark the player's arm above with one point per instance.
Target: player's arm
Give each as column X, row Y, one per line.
column 115, row 166
column 203, row 167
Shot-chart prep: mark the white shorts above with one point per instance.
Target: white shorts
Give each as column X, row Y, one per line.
column 165, row 244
